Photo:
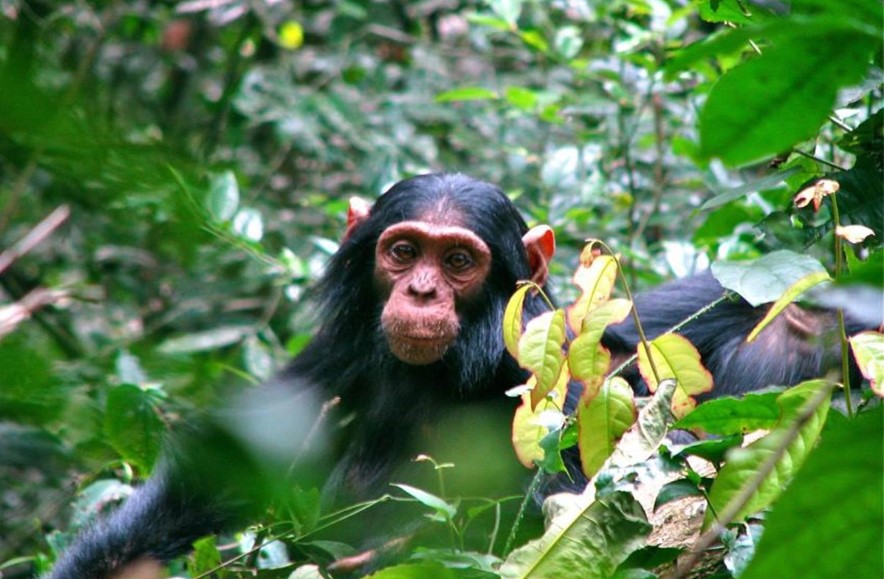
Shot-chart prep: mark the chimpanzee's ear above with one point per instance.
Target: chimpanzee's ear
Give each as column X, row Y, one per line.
column 356, row 215
column 540, row 244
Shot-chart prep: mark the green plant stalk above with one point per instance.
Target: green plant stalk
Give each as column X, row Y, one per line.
column 842, row 329
column 523, row 507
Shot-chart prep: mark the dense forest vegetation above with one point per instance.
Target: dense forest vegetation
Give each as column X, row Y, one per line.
column 175, row 175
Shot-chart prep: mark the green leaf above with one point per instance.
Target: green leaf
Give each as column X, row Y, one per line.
column 765, row 279
column 743, row 463
column 674, row 357
column 732, row 11
column 602, row 421
column 521, row 97
column 468, row 93
column 588, row 542
column 568, row 41
column 745, row 189
column 223, row 198
column 132, row 425
column 868, row 350
column 768, row 104
column 540, row 351
column 508, row 10
column 790, row 295
column 675, row 490
column 807, row 533
column 249, row 224
column 595, row 276
column 429, row 500
column 205, row 556
column 727, row 416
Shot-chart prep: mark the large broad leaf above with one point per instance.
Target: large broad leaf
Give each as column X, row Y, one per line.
column 809, row 535
column 601, row 421
column 765, row 279
column 743, row 463
column 675, row 358
column 588, row 543
column 767, row 104
column 726, row 416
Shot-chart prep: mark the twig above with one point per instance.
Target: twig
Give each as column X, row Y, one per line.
column 34, row 237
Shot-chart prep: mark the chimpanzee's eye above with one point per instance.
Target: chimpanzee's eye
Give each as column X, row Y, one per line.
column 403, row 252
column 459, row 260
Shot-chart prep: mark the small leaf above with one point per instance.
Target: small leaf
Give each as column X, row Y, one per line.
column 815, row 193
column 789, row 296
column 602, row 421
column 765, row 279
column 248, row 224
column 568, row 41
column 508, row 10
column 291, row 35
column 429, row 500
column 853, row 233
column 595, row 277
column 223, row 199
column 532, row 423
column 521, row 97
column 512, row 321
column 469, row 93
column 675, row 358
column 868, row 350
column 675, row 490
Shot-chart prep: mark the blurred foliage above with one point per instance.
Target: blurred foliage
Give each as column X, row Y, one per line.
column 206, row 151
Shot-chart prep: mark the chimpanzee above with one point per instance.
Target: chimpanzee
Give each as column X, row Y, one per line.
column 410, row 322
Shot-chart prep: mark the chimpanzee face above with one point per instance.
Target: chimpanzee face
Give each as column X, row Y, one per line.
column 425, row 272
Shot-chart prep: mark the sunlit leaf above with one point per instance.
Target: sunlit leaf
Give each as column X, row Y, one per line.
column 765, row 279
column 601, row 421
column 512, row 320
column 291, row 35
column 868, row 350
column 595, row 276
column 743, row 463
column 223, row 197
column 540, row 350
column 674, row 357
column 588, row 542
column 469, row 93
column 726, row 416
column 429, row 500
column 789, row 296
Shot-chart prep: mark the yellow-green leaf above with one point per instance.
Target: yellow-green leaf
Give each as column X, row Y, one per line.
column 868, row 350
column 532, row 423
column 540, row 351
column 595, row 277
column 789, row 296
column 602, row 421
column 291, row 35
column 676, row 358
column 512, row 321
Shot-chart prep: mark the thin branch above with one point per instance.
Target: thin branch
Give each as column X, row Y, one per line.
column 35, row 236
